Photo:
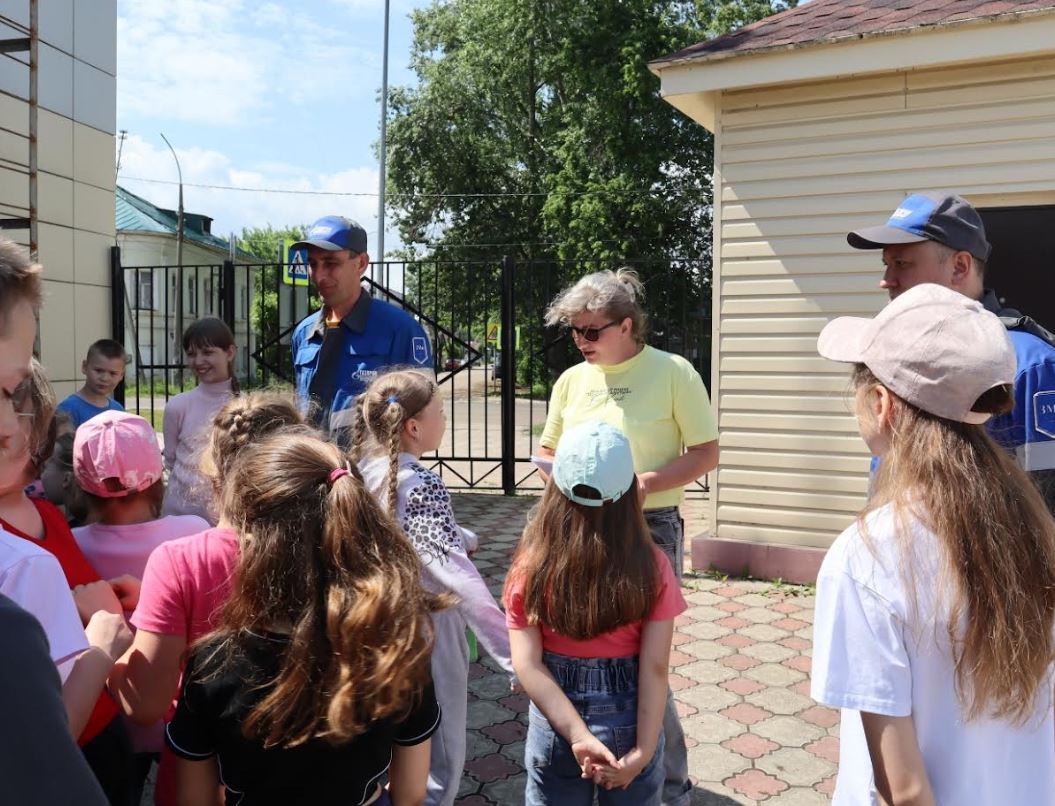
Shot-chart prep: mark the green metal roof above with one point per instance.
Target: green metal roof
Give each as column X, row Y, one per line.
column 136, row 214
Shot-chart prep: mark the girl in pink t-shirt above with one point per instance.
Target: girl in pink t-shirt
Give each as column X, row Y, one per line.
column 187, row 581
column 590, row 604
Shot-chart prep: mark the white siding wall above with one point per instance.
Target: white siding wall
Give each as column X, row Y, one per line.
column 796, row 168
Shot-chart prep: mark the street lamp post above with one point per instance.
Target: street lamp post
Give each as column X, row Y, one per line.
column 384, row 144
column 178, row 336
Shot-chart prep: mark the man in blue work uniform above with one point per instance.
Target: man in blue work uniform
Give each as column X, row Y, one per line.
column 338, row 350
column 938, row 238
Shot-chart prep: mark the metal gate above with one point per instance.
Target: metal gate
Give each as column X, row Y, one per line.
column 475, row 313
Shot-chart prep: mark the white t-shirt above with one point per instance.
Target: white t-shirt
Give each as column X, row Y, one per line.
column 873, row 652
column 33, row 579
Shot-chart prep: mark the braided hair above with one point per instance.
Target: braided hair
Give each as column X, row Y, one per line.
column 381, row 412
column 243, row 420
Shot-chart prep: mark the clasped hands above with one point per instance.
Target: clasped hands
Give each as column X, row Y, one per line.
column 599, row 764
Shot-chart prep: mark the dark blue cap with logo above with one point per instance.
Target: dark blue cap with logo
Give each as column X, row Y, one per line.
column 335, row 233
column 929, row 216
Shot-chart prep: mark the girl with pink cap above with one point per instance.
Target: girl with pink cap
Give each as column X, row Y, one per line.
column 118, row 465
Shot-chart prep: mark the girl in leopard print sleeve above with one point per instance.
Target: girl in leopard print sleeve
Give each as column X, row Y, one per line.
column 403, row 414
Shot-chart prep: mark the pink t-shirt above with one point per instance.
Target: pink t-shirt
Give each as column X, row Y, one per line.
column 124, row 549
column 185, row 584
column 623, row 641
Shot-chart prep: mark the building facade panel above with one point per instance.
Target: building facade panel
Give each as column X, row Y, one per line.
column 796, row 168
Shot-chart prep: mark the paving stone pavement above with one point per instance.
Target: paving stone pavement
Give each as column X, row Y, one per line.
column 739, row 670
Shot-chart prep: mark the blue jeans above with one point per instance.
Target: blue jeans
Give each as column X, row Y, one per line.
column 668, row 533
column 604, row 692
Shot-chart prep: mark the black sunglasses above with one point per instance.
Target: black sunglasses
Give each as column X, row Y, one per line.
column 591, row 333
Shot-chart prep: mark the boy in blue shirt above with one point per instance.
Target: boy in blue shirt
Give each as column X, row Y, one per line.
column 103, row 368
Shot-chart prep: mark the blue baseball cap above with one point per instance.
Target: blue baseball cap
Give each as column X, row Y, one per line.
column 335, row 233
column 597, row 455
column 929, row 216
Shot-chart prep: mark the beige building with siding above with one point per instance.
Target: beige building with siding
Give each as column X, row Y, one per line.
column 824, row 118
column 58, row 102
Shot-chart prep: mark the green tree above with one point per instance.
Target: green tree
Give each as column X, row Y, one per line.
column 536, row 130
column 266, row 316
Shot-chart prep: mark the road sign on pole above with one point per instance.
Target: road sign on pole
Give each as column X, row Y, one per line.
column 294, row 264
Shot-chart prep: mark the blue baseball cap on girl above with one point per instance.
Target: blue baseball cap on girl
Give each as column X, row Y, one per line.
column 335, row 233
column 596, row 455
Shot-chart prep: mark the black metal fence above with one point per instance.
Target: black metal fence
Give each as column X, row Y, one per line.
column 475, row 312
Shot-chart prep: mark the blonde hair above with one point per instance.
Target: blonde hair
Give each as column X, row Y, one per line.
column 997, row 539
column 43, row 428
column 382, row 410
column 323, row 559
column 617, row 294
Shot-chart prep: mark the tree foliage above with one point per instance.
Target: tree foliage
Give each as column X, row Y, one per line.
column 267, row 312
column 536, row 130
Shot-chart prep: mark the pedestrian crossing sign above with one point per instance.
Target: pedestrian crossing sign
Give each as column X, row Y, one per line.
column 294, row 264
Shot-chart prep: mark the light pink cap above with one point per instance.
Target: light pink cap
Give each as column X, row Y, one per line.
column 115, row 454
column 931, row 346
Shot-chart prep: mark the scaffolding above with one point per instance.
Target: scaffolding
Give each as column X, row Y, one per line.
column 19, row 43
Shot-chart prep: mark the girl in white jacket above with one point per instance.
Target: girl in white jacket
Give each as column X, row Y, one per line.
column 403, row 414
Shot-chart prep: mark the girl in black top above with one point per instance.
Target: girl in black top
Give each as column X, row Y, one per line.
column 317, row 681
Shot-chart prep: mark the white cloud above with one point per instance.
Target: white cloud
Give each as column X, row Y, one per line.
column 233, row 62
column 232, row 210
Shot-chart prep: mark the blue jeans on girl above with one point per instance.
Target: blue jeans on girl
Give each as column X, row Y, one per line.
column 604, row 692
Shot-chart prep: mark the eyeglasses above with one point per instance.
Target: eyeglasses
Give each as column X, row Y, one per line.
column 21, row 398
column 590, row 333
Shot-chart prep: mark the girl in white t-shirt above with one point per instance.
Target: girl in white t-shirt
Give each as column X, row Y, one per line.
column 933, row 629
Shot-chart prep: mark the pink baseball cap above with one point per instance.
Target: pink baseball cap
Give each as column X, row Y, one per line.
column 931, row 346
column 116, row 454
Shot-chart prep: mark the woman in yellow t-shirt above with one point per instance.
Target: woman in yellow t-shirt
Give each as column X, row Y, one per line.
column 660, row 402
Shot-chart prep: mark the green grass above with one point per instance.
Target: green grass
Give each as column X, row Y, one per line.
column 154, row 416
column 777, row 587
column 158, row 388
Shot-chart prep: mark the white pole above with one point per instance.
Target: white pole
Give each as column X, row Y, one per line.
column 384, row 130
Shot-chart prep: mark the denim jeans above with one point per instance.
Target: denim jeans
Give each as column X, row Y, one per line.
column 668, row 532
column 604, row 692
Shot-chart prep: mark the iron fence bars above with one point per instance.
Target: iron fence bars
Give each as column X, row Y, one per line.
column 495, row 361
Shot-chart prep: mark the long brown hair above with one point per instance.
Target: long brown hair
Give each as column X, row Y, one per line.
column 382, row 410
column 585, row 570
column 998, row 543
column 322, row 561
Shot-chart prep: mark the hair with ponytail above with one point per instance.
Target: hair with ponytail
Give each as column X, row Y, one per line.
column 321, row 561
column 617, row 294
column 381, row 412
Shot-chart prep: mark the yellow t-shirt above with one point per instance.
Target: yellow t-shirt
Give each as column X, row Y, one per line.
column 657, row 399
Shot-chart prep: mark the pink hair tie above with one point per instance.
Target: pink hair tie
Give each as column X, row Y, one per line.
column 335, row 474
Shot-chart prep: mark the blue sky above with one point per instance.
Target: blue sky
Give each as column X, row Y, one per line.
column 278, row 94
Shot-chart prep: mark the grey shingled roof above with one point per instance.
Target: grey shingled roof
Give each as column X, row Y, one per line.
column 834, row 20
